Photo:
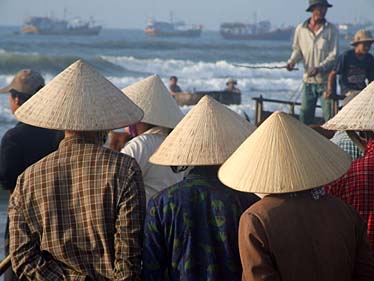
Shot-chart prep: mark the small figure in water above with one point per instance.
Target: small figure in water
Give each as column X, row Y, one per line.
column 173, row 85
column 231, row 86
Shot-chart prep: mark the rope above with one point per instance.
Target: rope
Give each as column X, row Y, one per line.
column 263, row 67
column 295, row 95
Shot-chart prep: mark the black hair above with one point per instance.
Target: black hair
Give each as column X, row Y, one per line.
column 173, row 78
column 22, row 97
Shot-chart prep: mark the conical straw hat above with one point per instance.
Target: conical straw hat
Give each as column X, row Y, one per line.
column 207, row 135
column 154, row 99
column 283, row 155
column 79, row 99
column 357, row 115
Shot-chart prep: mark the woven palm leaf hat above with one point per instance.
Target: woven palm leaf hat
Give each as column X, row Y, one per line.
column 152, row 96
column 207, row 135
column 79, row 99
column 281, row 156
column 357, row 115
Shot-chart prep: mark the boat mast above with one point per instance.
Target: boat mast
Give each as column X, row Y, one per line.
column 171, row 15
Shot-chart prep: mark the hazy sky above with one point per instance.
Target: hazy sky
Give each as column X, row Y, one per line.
column 210, row 13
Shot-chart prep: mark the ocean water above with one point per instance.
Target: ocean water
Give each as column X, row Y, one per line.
column 126, row 56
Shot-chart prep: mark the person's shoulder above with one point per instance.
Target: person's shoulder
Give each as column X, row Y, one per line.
column 332, row 26
column 265, row 207
column 341, row 206
column 348, row 53
column 115, row 156
column 138, row 140
column 301, row 26
column 40, row 167
column 370, row 57
column 14, row 134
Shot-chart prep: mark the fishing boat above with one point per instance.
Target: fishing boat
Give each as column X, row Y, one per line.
column 172, row 29
column 225, row 97
column 348, row 30
column 259, row 31
column 53, row 26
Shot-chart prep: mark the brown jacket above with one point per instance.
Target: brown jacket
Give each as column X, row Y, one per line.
column 305, row 236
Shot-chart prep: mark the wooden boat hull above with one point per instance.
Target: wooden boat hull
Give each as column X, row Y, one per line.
column 225, row 97
column 186, row 33
column 278, row 35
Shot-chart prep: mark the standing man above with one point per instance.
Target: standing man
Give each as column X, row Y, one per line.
column 22, row 145
column 316, row 44
column 78, row 213
column 354, row 67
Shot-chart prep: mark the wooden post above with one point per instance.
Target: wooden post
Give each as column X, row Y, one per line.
column 334, row 107
column 259, row 108
column 292, row 109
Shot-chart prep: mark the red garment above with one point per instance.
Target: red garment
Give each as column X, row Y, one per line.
column 356, row 188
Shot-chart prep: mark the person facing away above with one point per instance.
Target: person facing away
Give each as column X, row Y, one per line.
column 161, row 115
column 297, row 231
column 78, row 213
column 316, row 44
column 356, row 186
column 231, row 86
column 191, row 227
column 24, row 144
column 173, row 85
column 354, row 67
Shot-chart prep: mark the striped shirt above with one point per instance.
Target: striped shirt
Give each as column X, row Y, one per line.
column 78, row 214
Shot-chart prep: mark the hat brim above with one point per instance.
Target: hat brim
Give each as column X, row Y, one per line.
column 234, row 82
column 328, row 5
column 354, row 43
column 6, row 89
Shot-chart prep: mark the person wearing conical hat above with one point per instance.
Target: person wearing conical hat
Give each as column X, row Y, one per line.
column 78, row 213
column 356, row 187
column 297, row 231
column 316, row 45
column 161, row 115
column 191, row 227
column 22, row 145
column 354, row 67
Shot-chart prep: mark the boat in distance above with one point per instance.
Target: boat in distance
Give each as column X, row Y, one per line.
column 54, row 26
column 172, row 29
column 260, row 31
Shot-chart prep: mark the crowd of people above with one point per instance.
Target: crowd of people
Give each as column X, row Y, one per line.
column 201, row 196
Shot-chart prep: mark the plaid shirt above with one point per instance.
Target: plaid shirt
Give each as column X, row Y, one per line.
column 342, row 140
column 78, row 214
column 356, row 188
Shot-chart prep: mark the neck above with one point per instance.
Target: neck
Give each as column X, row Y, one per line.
column 78, row 134
column 359, row 54
column 316, row 21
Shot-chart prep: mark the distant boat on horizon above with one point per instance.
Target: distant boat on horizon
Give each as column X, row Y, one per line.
column 54, row 26
column 259, row 31
column 348, row 30
column 172, row 29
